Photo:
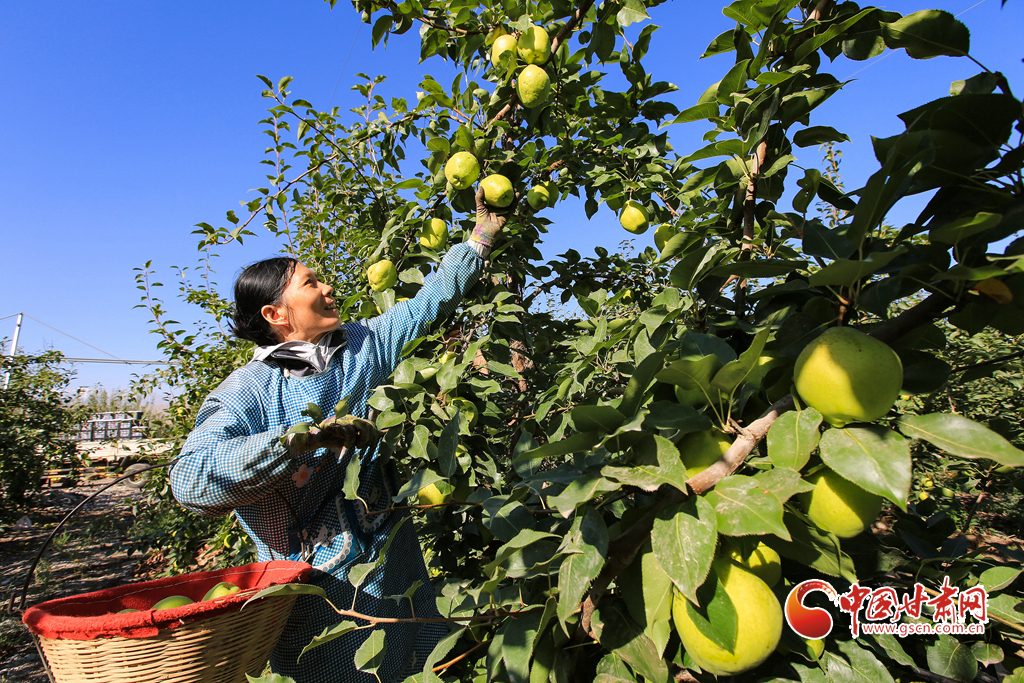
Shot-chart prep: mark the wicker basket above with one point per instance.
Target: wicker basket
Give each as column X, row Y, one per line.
column 206, row 642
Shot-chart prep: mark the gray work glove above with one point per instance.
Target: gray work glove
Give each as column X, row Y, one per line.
column 336, row 432
column 488, row 222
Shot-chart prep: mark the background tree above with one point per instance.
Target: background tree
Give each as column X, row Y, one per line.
column 588, row 469
column 37, row 421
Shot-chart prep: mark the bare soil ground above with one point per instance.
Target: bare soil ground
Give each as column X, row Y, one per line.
column 86, row 555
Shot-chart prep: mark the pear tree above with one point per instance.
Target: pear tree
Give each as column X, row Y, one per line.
column 568, row 535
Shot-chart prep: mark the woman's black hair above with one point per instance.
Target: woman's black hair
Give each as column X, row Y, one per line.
column 260, row 284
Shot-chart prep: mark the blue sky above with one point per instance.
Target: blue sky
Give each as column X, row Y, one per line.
column 129, row 122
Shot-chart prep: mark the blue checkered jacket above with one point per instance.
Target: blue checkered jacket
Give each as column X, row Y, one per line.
column 234, row 460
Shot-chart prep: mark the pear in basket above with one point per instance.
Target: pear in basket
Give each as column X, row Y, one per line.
column 220, row 590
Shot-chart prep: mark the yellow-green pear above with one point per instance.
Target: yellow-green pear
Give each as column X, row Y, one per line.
column 533, row 86
column 462, row 170
column 220, row 590
column 382, row 275
column 498, row 191
column 848, row 376
column 434, row 234
column 534, row 45
column 172, row 602
column 503, row 44
column 699, row 450
column 838, row 505
column 634, row 218
column 758, row 623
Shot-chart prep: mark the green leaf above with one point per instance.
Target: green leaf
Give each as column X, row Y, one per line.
column 745, row 508
column 603, row 419
column 818, row 135
column 517, row 646
column 671, row 415
column 858, row 665
column 684, row 539
column 631, row 12
column 582, row 489
column 447, row 447
column 669, row 470
column 647, row 591
column 577, row 443
column 814, row 548
column 1007, row 607
column 928, row 33
column 997, row 578
column 313, row 411
column 519, row 541
column 288, row 589
column 736, row 372
column 269, row 678
column 783, row 482
column 441, row 650
column 697, row 112
column 964, row 227
column 693, row 377
column 328, row 634
column 506, row 518
column 620, row 634
column 987, row 654
column 844, row 272
column 370, row 654
column 793, row 437
column 644, row 374
column 715, row 614
column 759, row 269
column 960, row 436
column 951, row 658
column 588, row 542
column 873, row 457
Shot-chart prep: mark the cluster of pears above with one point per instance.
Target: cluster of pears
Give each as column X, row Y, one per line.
column 846, row 376
column 222, row 589
column 533, row 85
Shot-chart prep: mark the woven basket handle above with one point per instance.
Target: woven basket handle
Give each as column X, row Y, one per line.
column 11, row 609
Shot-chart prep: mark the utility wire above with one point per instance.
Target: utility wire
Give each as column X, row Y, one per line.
column 75, row 338
column 345, row 65
column 880, row 58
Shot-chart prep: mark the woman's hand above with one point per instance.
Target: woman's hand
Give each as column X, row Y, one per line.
column 337, row 432
column 346, row 432
column 489, row 223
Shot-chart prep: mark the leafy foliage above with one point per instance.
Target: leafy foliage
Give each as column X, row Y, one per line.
column 37, row 419
column 559, row 441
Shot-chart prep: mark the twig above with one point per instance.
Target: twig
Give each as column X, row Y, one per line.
column 442, row 667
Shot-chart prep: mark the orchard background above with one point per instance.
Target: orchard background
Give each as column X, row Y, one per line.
column 553, row 413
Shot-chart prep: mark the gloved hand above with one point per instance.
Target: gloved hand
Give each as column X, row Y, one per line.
column 488, row 222
column 336, row 432
column 346, row 432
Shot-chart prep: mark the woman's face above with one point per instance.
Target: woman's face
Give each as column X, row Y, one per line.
column 306, row 311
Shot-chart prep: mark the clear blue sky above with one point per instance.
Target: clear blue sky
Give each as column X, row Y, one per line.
column 128, row 122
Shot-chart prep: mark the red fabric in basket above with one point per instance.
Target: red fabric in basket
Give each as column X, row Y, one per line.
column 94, row 615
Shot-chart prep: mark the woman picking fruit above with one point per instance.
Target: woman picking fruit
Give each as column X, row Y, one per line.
column 286, row 489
